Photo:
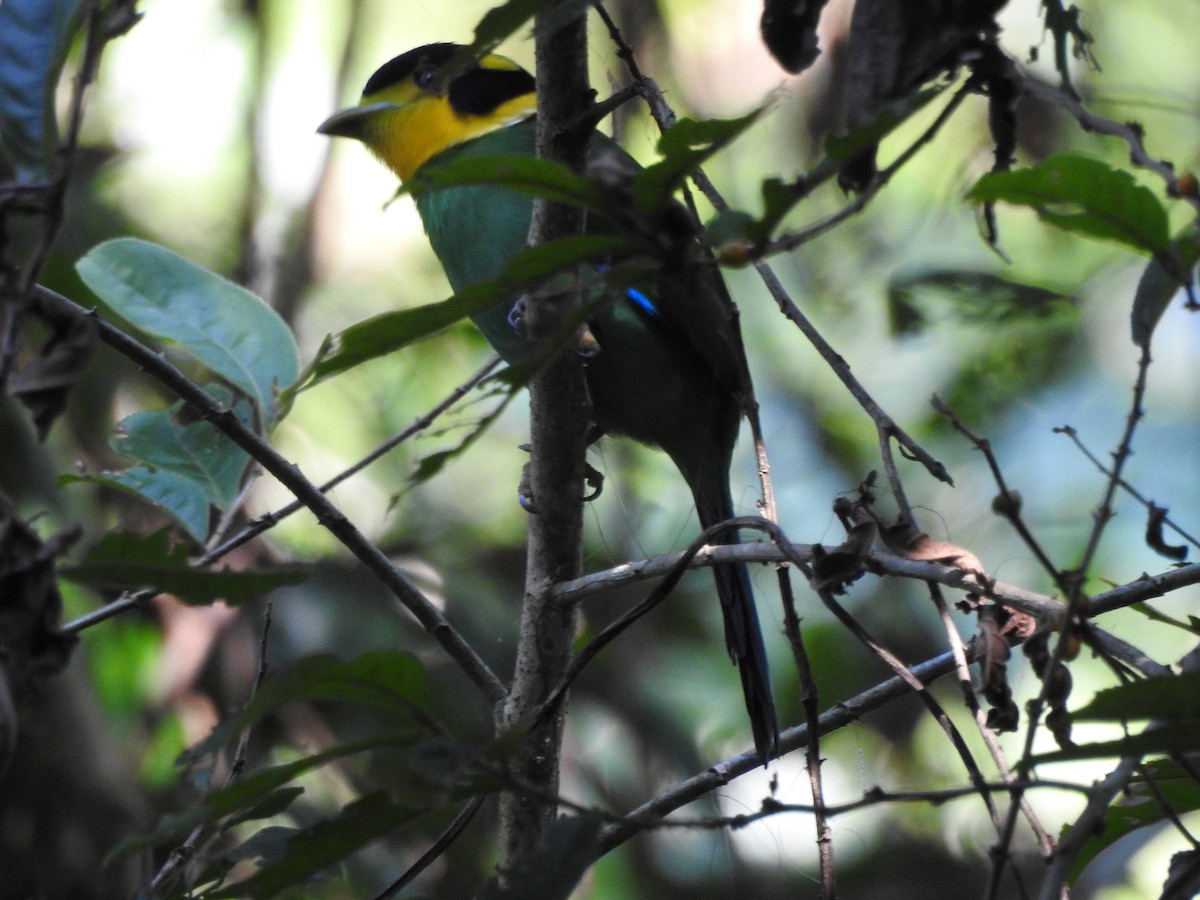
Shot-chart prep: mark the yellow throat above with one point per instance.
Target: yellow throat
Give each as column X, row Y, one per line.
column 407, row 114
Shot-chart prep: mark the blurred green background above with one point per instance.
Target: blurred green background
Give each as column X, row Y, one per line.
column 200, row 135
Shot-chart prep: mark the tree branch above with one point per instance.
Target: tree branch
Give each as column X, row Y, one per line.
column 559, row 412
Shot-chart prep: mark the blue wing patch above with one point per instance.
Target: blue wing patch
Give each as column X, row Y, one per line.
column 643, row 302
column 640, row 300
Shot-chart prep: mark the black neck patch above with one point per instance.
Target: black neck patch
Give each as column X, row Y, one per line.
column 478, row 91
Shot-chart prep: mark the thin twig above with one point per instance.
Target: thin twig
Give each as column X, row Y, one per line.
column 1073, row 434
column 1104, row 512
column 931, row 704
column 717, row 776
column 1041, row 606
column 1077, row 601
column 1007, row 506
column 269, row 520
column 1131, row 133
column 181, row 854
column 127, row 601
column 436, row 849
column 812, row 708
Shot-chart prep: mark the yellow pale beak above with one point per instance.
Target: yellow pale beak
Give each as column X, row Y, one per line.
column 352, row 122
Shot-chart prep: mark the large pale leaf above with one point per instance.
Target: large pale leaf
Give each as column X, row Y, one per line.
column 222, row 325
column 185, row 468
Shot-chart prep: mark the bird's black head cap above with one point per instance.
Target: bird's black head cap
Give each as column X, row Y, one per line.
column 476, row 90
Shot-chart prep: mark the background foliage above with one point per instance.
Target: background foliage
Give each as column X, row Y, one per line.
column 357, row 740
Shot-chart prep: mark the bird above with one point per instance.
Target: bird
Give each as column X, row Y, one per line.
column 668, row 372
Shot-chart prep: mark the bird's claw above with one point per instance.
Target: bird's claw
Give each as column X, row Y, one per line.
column 595, row 480
column 525, row 486
column 586, row 344
column 592, row 476
column 516, row 316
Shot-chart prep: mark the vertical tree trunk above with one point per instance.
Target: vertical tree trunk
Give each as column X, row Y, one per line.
column 559, row 413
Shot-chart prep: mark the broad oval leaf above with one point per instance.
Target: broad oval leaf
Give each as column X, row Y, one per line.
column 224, row 326
column 186, row 469
column 1084, row 196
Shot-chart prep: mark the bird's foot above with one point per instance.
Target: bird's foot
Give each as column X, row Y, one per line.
column 525, row 486
column 592, row 476
column 586, row 344
column 516, row 316
column 595, row 480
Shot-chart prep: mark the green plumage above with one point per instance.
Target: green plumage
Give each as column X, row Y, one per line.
column 671, row 379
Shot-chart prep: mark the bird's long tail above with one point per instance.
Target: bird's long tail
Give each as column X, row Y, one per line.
column 743, row 635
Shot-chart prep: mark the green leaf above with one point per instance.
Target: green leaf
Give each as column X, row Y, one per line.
column 224, row 326
column 1172, row 698
column 256, row 795
column 1004, row 367
column 1177, row 737
column 840, row 149
column 389, row 332
column 268, row 807
column 1192, row 626
column 1083, row 196
column 1155, row 289
column 430, row 465
column 387, row 680
column 196, row 451
column 34, row 38
column 1163, row 277
column 502, row 22
column 973, row 296
column 187, row 470
column 684, row 148
column 524, row 174
column 129, row 561
column 733, row 225
column 310, row 850
column 1140, row 805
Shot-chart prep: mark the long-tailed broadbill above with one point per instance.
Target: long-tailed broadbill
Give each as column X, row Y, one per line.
column 668, row 370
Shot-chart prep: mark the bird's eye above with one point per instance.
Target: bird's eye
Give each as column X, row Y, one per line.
column 423, row 77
